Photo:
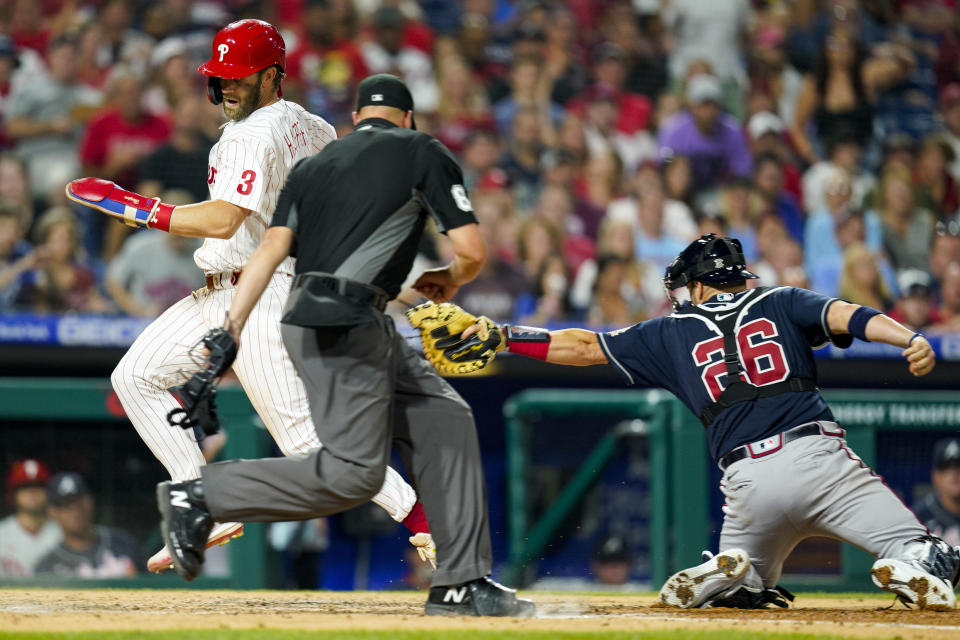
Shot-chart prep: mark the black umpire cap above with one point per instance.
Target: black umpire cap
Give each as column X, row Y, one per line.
column 385, row 90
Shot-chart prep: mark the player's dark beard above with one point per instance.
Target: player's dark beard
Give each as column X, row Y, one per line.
column 249, row 105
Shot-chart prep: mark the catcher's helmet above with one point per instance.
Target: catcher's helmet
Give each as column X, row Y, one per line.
column 239, row 49
column 709, row 259
column 26, row 473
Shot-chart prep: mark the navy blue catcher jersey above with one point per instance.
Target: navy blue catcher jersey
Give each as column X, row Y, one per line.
column 776, row 330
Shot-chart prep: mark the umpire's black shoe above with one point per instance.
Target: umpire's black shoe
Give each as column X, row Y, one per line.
column 185, row 523
column 480, row 597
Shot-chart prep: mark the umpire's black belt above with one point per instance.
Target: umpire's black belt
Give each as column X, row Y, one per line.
column 765, row 447
column 364, row 294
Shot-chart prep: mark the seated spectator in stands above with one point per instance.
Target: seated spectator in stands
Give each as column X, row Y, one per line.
column 950, row 115
column 610, row 305
column 914, row 308
column 463, row 103
column 843, row 152
column 387, row 52
column 9, row 62
column 839, row 95
column 907, row 229
column 529, row 90
column 940, row 510
column 779, row 256
column 152, row 271
column 60, row 282
column 548, row 300
column 738, row 206
column 538, row 239
column 28, row 534
column 117, row 141
column 678, row 180
column 602, row 135
column 830, row 230
column 17, row 257
column 556, row 206
column 180, row 163
column 633, row 111
column 481, row 152
column 611, row 563
column 521, row 161
column 772, row 72
column 949, row 300
column 87, row 550
column 15, row 191
column 860, row 281
column 768, row 181
column 766, row 131
column 323, row 71
column 599, row 187
column 712, row 140
column 934, row 188
column 559, row 168
column 677, row 216
column 653, row 242
column 172, row 78
column 120, row 42
column 563, row 54
column 27, row 25
column 46, row 118
column 615, row 239
column 945, row 251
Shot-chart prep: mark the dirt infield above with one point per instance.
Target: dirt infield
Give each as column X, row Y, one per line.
column 108, row 609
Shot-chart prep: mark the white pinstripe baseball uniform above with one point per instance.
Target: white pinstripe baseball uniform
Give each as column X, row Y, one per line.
column 248, row 166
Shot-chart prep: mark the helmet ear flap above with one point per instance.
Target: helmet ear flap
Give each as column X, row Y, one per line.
column 214, row 90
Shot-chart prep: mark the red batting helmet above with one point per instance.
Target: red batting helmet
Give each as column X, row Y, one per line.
column 241, row 48
column 25, row 473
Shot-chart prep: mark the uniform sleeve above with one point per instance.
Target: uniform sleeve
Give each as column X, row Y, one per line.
column 442, row 187
column 242, row 172
column 635, row 352
column 808, row 309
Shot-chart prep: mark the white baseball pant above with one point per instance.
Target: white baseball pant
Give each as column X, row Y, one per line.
column 159, row 356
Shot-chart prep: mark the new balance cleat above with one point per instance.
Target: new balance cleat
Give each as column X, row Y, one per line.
column 185, row 523
column 480, row 597
column 221, row 534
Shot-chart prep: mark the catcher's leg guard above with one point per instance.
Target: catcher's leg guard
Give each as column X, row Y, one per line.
column 695, row 586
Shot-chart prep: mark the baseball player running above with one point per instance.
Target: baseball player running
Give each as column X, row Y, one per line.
column 264, row 138
column 788, row 472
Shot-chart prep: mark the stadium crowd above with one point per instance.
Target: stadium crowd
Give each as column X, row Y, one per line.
column 597, row 138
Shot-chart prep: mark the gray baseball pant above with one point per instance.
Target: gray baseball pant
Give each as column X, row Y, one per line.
column 367, row 388
column 813, row 486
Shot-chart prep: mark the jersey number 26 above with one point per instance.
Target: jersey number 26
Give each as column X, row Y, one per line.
column 763, row 359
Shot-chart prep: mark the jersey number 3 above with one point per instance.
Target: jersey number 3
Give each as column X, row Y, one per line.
column 246, row 182
column 763, row 359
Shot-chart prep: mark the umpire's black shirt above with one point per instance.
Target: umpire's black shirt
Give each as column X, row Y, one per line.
column 358, row 209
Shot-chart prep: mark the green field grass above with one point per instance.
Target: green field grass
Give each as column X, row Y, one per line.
column 282, row 634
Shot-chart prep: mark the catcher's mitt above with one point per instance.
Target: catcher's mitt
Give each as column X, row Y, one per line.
column 440, row 327
column 198, row 394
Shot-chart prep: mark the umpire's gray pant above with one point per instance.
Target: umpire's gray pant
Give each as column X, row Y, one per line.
column 366, row 387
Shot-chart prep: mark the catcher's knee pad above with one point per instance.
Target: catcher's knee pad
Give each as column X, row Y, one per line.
column 936, row 557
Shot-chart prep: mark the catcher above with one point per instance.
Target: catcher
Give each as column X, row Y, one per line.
column 741, row 360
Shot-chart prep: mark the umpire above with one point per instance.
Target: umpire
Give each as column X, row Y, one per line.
column 352, row 215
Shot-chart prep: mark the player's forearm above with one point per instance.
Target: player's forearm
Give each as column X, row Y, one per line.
column 210, row 219
column 883, row 328
column 842, row 318
column 575, row 347
column 470, row 254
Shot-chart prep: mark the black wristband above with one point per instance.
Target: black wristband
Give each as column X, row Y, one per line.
column 914, row 337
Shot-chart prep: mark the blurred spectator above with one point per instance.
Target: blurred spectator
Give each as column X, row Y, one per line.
column 615, row 239
column 563, row 55
column 172, row 77
column 612, row 562
column 15, row 188
column 899, row 148
column 120, row 43
column 46, row 116
column 860, row 282
column 633, row 111
column 711, row 139
column 9, row 61
column 907, row 230
column 940, row 510
column 738, row 206
column 603, row 135
column 599, row 187
column 950, row 300
column 27, row 534
column 323, row 70
column 548, row 300
column 678, row 180
column 556, row 206
column 950, row 114
column 772, row 73
column 934, row 187
column 559, row 168
column 26, row 25
column 768, row 179
column 945, row 251
column 60, row 282
column 463, row 103
column 388, row 53
column 613, row 287
column 481, row 153
column 914, row 308
column 843, row 152
column 830, row 230
column 181, row 163
column 521, row 162
column 17, row 257
column 766, row 131
column 838, row 95
column 654, row 243
column 539, row 239
column 707, row 30
column 529, row 91
column 777, row 252
column 677, row 217
column 152, row 271
column 117, row 141
column 87, row 550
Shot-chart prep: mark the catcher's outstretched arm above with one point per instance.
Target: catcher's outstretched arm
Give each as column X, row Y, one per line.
column 273, row 249
column 575, row 347
column 871, row 325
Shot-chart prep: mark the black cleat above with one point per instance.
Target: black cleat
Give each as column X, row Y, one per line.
column 185, row 524
column 480, row 597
